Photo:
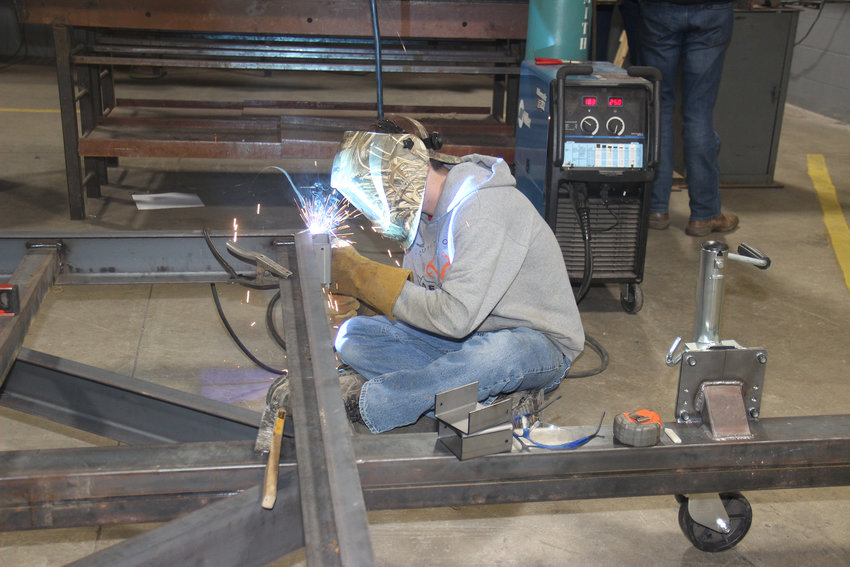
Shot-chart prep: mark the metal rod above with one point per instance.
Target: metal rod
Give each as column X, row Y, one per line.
column 360, row 67
column 710, row 293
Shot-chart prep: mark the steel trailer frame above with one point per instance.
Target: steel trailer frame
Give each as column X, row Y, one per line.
column 190, row 461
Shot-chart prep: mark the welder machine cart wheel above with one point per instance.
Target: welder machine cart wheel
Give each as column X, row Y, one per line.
column 707, row 539
column 631, row 297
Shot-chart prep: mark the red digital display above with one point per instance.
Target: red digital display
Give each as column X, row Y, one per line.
column 589, row 101
column 615, row 101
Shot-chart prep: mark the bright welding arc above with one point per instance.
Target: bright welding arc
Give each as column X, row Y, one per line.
column 322, row 209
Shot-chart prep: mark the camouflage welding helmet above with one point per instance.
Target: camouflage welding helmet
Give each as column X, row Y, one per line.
column 383, row 176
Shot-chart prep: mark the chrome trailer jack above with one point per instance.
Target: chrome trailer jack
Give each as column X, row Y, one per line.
column 720, row 390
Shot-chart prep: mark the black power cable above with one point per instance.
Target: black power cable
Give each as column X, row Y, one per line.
column 378, row 64
column 239, row 343
column 812, row 26
column 270, row 321
column 578, row 197
column 596, row 347
column 247, row 282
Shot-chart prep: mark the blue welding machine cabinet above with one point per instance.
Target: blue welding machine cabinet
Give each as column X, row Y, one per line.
column 586, row 151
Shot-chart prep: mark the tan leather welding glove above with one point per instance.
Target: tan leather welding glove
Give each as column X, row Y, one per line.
column 341, row 308
column 372, row 282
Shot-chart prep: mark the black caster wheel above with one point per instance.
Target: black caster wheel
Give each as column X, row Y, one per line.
column 706, row 539
column 631, row 297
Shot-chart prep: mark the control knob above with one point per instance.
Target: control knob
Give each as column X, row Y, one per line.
column 615, row 126
column 589, row 125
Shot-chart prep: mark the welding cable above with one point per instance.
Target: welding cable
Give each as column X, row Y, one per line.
column 231, row 271
column 578, row 196
column 811, row 27
column 233, row 336
column 604, row 358
column 270, row 321
column 378, row 71
column 603, row 195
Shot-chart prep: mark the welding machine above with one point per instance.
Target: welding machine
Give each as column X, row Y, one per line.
column 586, row 151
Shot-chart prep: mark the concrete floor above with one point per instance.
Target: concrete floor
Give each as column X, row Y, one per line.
column 799, row 310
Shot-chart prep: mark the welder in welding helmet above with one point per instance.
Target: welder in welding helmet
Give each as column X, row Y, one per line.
column 383, row 174
column 482, row 294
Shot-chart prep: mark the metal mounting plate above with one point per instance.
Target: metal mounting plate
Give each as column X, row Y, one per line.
column 725, row 362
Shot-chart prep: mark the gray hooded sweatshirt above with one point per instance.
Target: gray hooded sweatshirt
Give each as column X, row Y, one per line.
column 488, row 261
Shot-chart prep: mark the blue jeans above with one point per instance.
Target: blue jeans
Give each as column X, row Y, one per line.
column 406, row 367
column 696, row 37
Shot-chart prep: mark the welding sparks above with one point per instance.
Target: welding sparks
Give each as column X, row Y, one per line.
column 324, row 210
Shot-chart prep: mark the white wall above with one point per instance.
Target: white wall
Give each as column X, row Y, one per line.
column 820, row 69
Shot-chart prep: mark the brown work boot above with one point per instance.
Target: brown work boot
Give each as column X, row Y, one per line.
column 351, row 383
column 659, row 221
column 724, row 222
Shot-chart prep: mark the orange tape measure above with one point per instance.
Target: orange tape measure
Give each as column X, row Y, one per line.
column 638, row 428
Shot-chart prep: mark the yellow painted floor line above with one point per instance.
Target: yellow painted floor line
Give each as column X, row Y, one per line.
column 28, row 110
column 833, row 216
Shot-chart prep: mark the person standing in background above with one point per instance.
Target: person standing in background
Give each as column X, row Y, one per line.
column 693, row 35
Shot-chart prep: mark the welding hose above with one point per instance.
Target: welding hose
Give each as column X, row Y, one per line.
column 270, row 321
column 378, row 71
column 578, row 196
column 236, row 340
column 600, row 351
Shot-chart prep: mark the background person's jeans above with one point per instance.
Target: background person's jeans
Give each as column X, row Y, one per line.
column 695, row 35
column 406, row 367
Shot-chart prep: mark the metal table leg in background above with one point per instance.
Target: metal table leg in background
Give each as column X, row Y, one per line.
column 63, row 37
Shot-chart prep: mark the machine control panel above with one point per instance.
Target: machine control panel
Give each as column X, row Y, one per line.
column 605, row 126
